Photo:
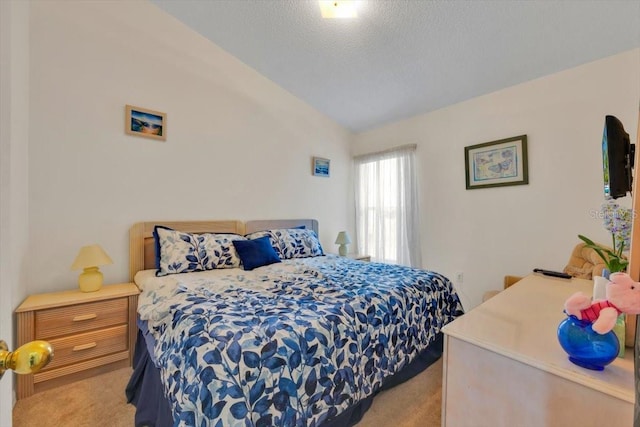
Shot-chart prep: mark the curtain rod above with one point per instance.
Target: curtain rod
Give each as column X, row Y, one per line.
column 388, row 150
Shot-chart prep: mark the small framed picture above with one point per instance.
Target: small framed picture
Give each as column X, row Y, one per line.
column 145, row 122
column 320, row 167
column 497, row 163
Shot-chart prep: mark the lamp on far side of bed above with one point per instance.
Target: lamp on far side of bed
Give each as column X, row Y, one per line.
column 343, row 240
column 89, row 258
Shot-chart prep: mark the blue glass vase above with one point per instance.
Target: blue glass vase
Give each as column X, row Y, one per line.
column 586, row 347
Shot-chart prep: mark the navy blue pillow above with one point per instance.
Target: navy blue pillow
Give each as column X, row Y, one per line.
column 256, row 253
column 156, row 240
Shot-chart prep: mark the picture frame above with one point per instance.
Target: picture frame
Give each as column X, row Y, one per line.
column 145, row 122
column 320, row 167
column 497, row 163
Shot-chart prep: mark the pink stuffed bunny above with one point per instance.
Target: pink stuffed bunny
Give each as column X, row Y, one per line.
column 623, row 296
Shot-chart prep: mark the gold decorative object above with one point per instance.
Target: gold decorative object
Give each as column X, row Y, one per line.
column 27, row 359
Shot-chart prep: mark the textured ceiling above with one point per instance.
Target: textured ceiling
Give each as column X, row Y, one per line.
column 402, row 58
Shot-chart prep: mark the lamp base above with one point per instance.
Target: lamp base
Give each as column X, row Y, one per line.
column 342, row 250
column 90, row 280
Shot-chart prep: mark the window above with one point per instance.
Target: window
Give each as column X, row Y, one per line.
column 387, row 225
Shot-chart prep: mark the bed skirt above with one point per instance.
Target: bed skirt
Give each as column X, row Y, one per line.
column 144, row 389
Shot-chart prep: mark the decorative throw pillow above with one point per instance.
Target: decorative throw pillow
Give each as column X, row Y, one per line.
column 292, row 242
column 186, row 252
column 256, row 253
column 156, row 240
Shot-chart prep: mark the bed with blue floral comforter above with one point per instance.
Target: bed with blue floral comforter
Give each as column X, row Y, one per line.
column 291, row 344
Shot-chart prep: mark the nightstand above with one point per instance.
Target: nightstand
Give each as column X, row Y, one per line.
column 359, row 257
column 91, row 333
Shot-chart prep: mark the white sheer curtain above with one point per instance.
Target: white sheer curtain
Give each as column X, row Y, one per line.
column 387, row 217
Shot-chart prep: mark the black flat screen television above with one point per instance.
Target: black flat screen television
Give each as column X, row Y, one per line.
column 617, row 159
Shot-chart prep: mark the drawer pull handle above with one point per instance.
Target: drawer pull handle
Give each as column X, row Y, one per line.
column 84, row 346
column 85, row 317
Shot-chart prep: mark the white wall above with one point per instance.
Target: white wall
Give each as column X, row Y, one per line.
column 14, row 232
column 238, row 146
column 489, row 233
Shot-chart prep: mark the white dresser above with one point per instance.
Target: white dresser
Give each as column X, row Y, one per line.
column 503, row 365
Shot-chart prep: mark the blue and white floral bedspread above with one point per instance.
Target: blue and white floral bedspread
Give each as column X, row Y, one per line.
column 291, row 344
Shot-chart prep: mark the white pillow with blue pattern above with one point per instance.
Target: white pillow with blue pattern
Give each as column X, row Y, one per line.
column 182, row 252
column 292, row 242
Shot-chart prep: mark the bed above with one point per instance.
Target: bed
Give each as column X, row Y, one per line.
column 307, row 340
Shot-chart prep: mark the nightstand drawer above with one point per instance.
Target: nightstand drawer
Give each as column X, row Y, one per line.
column 80, row 347
column 56, row 322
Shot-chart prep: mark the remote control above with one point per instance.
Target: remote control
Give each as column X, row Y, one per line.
column 552, row 273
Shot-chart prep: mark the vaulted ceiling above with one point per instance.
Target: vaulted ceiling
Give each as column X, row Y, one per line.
column 400, row 58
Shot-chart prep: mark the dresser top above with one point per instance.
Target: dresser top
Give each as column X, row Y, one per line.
column 521, row 323
column 75, row 296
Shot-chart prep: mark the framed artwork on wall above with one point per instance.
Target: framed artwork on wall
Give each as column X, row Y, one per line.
column 320, row 167
column 497, row 163
column 145, row 122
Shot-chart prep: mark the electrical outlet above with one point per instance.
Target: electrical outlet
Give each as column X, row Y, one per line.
column 459, row 277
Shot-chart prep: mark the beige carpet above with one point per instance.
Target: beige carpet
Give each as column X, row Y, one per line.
column 94, row 402
column 415, row 403
column 100, row 401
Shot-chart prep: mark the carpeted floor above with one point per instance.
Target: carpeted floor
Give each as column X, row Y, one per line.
column 94, row 402
column 100, row 401
column 415, row 403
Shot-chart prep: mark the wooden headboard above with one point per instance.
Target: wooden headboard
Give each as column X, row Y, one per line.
column 142, row 250
column 267, row 224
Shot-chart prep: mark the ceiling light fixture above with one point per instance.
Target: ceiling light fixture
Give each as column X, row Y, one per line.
column 338, row 9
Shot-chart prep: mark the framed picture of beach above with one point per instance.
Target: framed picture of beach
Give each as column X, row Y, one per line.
column 145, row 122
column 320, row 167
column 497, row 163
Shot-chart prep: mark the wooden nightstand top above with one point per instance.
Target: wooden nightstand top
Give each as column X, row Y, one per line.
column 359, row 257
column 75, row 296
